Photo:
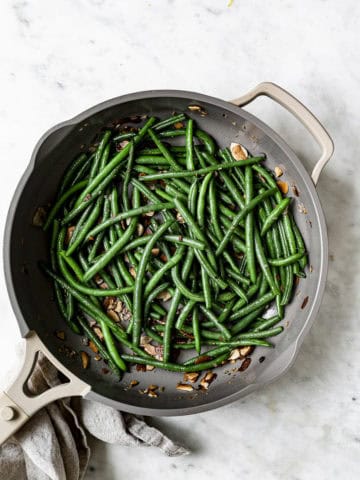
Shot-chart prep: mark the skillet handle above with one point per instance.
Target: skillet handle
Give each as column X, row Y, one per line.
column 17, row 405
column 285, row 99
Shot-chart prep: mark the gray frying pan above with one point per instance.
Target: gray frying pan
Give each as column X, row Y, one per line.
column 31, row 293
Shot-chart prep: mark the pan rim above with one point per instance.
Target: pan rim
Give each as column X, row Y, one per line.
column 314, row 198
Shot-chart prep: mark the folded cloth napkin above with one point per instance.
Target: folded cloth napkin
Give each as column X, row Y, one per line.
column 53, row 444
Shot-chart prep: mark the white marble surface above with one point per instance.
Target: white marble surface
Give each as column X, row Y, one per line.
column 58, row 58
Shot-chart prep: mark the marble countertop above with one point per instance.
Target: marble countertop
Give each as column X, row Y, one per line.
column 58, row 58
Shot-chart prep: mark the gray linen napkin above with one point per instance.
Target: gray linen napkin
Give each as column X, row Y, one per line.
column 53, row 444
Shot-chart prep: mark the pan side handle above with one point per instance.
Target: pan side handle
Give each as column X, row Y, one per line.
column 17, row 405
column 285, row 99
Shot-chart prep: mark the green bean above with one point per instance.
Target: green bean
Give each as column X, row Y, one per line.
column 84, row 302
column 274, row 215
column 60, row 202
column 98, row 155
column 289, row 282
column 247, row 208
column 185, row 312
column 71, row 171
column 189, row 145
column 240, row 278
column 282, row 262
column 158, row 275
column 260, row 334
column 134, row 212
column 264, row 264
column 196, row 329
column 152, row 296
column 183, row 288
column 138, row 291
column 260, row 302
column 201, row 171
column 238, row 290
column 207, row 141
column 249, row 225
column 163, row 149
column 94, row 338
column 210, row 315
column 85, row 227
column 266, row 323
column 168, row 122
column 246, row 320
column 201, row 200
column 175, row 367
column 300, row 243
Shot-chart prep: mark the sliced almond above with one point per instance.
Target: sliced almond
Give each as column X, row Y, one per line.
column 98, row 333
column 278, row 172
column 123, row 143
column 245, row 351
column 39, row 217
column 93, row 347
column 97, row 358
column 152, row 394
column 178, row 125
column 194, row 108
column 191, row 377
column 235, row 354
column 149, row 368
column 150, row 214
column 60, row 334
column 208, row 378
column 133, row 383
column 144, row 340
column 164, row 296
column 152, row 387
column 184, row 387
column 69, row 234
column 140, row 229
column 119, row 306
column 132, row 272
column 179, row 218
column 113, row 315
column 155, row 251
column 85, row 359
column 238, row 151
column 283, row 186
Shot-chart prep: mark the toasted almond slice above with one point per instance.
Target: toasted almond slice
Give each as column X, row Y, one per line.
column 132, row 272
column 85, row 359
column 245, row 351
column 93, row 347
column 144, row 340
column 133, row 383
column 191, row 377
column 149, row 214
column 208, row 378
column 164, row 296
column 152, row 394
column 39, row 217
column 283, row 186
column 99, row 333
column 194, row 108
column 149, row 368
column 152, row 387
column 235, row 354
column 69, row 234
column 140, row 229
column 155, row 251
column 60, row 334
column 278, row 171
column 184, row 387
column 179, row 218
column 113, row 315
column 178, row 125
column 97, row 358
column 238, row 151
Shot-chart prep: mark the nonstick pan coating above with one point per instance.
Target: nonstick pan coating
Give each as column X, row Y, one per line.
column 32, row 295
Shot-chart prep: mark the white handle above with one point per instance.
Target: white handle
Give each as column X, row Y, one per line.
column 17, row 406
column 293, row 105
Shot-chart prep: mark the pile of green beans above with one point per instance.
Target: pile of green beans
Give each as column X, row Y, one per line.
column 191, row 243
